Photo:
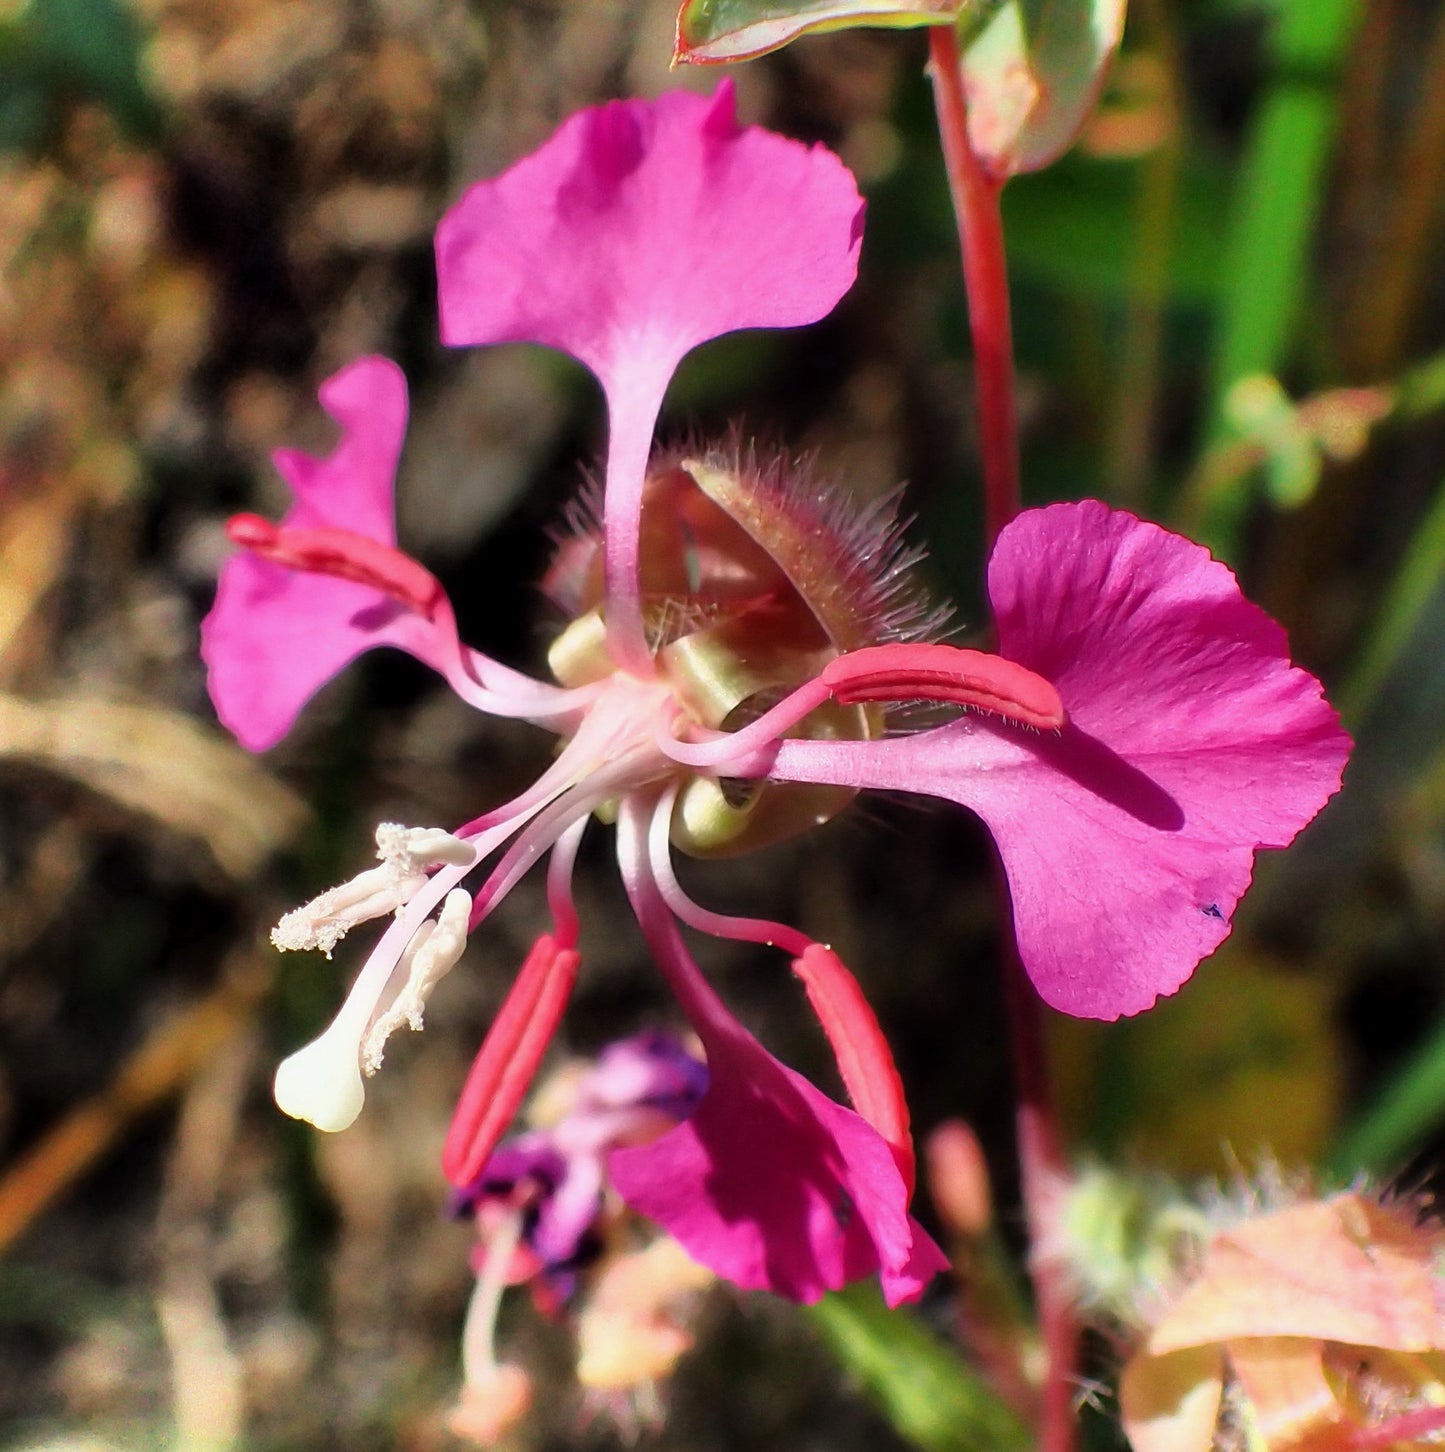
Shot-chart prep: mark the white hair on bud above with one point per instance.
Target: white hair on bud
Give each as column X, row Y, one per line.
column 435, row 949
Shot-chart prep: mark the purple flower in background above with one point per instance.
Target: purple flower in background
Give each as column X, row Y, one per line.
column 554, row 1177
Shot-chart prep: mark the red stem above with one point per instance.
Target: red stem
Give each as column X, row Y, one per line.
column 976, row 191
column 1043, row 1173
column 1042, row 1166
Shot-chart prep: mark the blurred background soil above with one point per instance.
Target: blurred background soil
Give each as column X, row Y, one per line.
column 206, row 207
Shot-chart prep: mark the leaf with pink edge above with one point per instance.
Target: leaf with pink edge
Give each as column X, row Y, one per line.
column 1032, row 70
column 712, row 31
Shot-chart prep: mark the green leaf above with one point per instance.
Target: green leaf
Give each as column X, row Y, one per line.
column 709, row 31
column 921, row 1385
column 1414, row 586
column 1073, row 227
column 1280, row 191
column 1033, row 70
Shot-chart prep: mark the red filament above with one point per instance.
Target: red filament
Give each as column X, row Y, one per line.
column 504, row 1067
column 864, row 1059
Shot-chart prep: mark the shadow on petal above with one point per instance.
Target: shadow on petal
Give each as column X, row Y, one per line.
column 1100, row 769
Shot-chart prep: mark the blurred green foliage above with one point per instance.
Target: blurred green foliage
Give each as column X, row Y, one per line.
column 54, row 52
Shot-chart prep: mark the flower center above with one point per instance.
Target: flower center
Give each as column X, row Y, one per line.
column 750, row 586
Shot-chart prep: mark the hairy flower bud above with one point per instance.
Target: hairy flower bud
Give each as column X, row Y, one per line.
column 754, row 578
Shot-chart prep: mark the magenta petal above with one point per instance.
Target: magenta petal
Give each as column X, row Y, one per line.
column 1129, row 837
column 273, row 636
column 354, row 486
column 775, row 1187
column 641, row 229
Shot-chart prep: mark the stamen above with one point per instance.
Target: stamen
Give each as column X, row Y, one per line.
column 559, row 884
column 479, row 1355
column 508, row 1058
column 405, row 853
column 343, row 555
column 324, row 921
column 495, row 1395
column 322, row 1081
column 719, row 925
column 433, row 952
column 410, row 849
column 945, row 673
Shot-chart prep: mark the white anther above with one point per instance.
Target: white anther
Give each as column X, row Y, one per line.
column 435, row 949
column 406, row 853
column 323, row 922
column 410, row 849
column 322, row 1082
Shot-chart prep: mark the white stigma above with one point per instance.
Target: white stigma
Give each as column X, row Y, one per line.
column 432, row 953
column 322, row 1083
column 406, row 853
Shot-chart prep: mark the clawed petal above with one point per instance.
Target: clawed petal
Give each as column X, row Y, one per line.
column 353, row 487
column 274, row 636
column 774, row 1186
column 640, row 230
column 1129, row 837
column 769, row 1183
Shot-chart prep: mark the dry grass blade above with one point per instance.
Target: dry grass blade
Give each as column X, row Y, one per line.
column 182, row 1045
column 162, row 765
column 35, row 536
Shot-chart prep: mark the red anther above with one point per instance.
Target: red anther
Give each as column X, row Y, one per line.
column 342, row 554
column 503, row 1069
column 945, row 673
column 251, row 532
column 1407, row 1427
column 864, row 1059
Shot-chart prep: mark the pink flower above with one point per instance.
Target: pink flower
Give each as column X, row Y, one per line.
column 737, row 644
column 552, row 1178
